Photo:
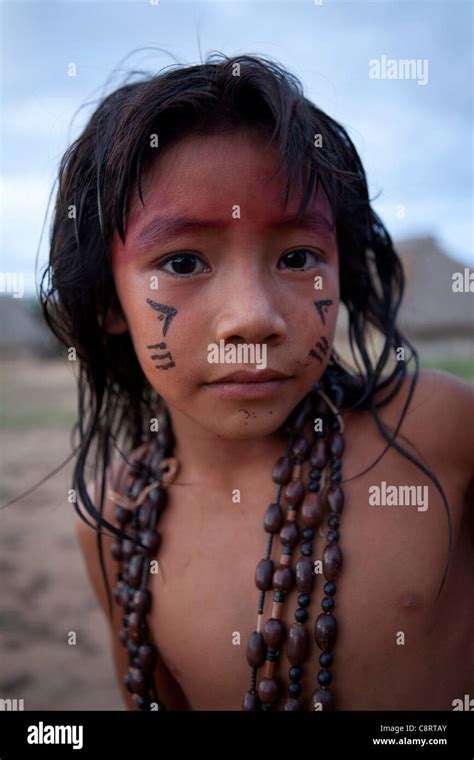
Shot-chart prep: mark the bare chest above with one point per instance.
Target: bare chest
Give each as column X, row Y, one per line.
column 390, row 631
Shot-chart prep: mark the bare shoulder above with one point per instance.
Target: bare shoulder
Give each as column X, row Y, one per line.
column 439, row 420
column 168, row 689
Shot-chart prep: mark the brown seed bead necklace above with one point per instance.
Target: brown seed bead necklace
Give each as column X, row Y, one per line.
column 141, row 498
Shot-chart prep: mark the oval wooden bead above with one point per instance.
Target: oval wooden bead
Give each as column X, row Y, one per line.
column 137, row 681
column 151, row 540
column 256, row 650
column 282, row 471
column 294, row 492
column 268, row 690
column 137, row 488
column 322, row 699
column 129, row 548
column 135, row 627
column 264, row 574
column 319, row 454
column 283, row 578
column 290, row 533
column 332, row 562
column 312, row 510
column 297, row 646
column 251, row 702
column 157, row 498
column 325, row 631
column 300, row 448
column 336, row 445
column 142, row 601
column 273, row 633
column 135, row 569
column 304, row 575
column 320, row 407
column 273, row 519
column 335, row 499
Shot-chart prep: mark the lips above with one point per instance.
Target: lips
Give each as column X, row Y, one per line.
column 246, row 376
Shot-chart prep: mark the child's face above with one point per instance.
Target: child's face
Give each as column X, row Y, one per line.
column 244, row 282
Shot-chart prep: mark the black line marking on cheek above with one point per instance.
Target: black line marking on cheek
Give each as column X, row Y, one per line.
column 316, row 356
column 322, row 345
column 169, row 311
column 157, row 345
column 161, row 356
column 165, row 366
column 322, row 308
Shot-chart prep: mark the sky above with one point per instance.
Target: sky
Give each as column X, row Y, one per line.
column 414, row 134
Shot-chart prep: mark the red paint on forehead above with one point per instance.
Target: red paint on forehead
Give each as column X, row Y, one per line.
column 195, row 185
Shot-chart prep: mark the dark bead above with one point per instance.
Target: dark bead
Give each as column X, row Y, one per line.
column 301, row 448
column 325, row 659
column 294, row 492
column 315, row 473
column 304, row 575
column 142, row 600
column 320, row 407
column 306, row 549
column 336, row 477
column 151, row 541
column 336, row 445
column 147, row 656
column 325, row 631
column 336, row 464
column 273, row 519
column 129, row 548
column 329, row 588
column 268, row 690
column 272, row 655
column 304, row 600
column 301, row 615
column 132, row 649
column 283, row 578
column 335, row 499
column 116, row 551
column 324, row 677
column 141, row 702
column 314, row 487
column 319, row 454
column 278, row 597
column 273, row 633
column 328, row 604
column 322, row 700
column 297, row 645
column 157, row 498
column 295, row 673
column 123, row 636
column 137, row 681
column 333, row 521
column 127, row 679
column 312, row 511
column 292, row 705
column 251, row 702
column 144, row 515
column 282, row 471
column 135, row 570
column 332, row 562
column 256, row 650
column 122, row 515
column 294, row 690
column 135, row 627
column 138, row 487
column 308, row 534
column 290, row 533
column 264, row 574
column 287, row 550
column 333, row 536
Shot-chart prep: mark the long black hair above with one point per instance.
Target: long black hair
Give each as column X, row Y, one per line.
column 99, row 175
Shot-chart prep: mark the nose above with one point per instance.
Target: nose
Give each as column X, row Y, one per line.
column 250, row 312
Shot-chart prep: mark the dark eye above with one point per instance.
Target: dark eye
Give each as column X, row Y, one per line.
column 182, row 265
column 301, row 258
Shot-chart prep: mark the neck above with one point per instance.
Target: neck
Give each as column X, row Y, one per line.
column 208, row 459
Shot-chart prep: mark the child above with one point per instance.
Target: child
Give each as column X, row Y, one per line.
column 339, row 578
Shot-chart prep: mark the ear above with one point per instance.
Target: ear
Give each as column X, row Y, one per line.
column 114, row 321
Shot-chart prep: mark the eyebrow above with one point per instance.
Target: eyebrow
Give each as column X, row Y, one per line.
column 163, row 229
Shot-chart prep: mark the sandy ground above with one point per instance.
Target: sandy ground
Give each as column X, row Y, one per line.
column 45, row 592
